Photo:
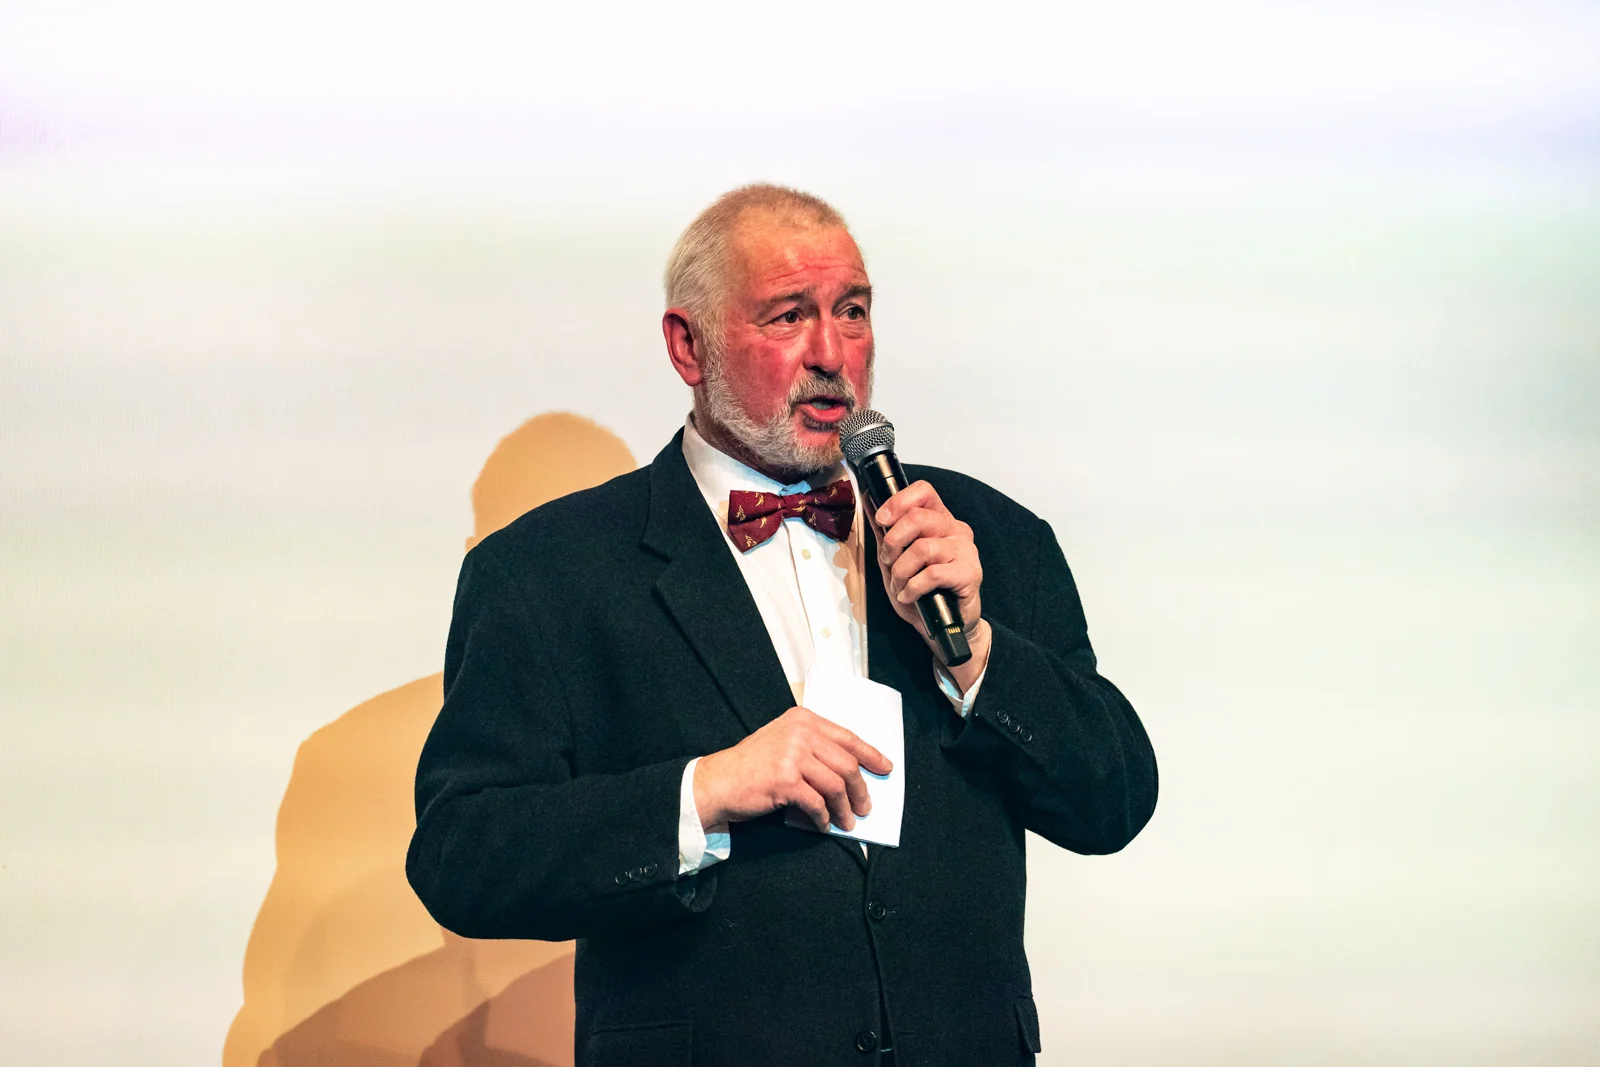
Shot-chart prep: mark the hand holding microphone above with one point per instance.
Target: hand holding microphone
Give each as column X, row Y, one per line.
column 929, row 562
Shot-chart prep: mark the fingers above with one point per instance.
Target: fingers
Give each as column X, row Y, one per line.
column 863, row 754
column 934, row 563
column 867, row 756
column 812, row 803
column 917, row 525
column 795, row 783
column 926, row 552
column 952, row 576
column 842, row 763
column 831, row 787
column 819, row 771
column 915, row 495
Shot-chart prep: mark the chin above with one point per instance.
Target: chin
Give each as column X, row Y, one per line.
column 815, row 439
column 803, row 453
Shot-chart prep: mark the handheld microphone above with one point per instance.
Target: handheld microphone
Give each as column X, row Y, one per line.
column 867, row 440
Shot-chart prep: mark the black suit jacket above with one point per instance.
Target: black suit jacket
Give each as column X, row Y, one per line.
column 603, row 640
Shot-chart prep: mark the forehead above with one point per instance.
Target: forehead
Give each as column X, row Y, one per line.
column 771, row 255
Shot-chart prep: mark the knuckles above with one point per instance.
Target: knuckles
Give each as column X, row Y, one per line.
column 788, row 771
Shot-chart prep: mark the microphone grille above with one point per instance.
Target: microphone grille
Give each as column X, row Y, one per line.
column 864, row 433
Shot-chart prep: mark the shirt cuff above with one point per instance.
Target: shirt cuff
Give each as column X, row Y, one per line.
column 698, row 847
column 960, row 702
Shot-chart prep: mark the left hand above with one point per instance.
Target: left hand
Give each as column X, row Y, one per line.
column 922, row 547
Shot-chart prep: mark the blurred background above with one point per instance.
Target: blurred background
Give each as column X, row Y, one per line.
column 1286, row 316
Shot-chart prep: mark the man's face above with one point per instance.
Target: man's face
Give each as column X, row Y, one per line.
column 797, row 344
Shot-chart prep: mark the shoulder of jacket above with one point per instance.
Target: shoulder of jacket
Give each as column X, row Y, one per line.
column 970, row 499
column 586, row 521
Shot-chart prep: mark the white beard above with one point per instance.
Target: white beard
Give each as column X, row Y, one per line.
column 774, row 442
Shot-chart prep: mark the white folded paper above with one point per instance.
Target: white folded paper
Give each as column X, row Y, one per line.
column 872, row 712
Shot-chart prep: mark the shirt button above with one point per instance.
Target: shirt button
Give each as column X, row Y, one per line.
column 876, row 911
column 867, row 1041
column 805, row 553
column 826, row 632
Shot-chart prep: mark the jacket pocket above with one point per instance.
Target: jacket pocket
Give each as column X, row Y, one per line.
column 645, row 1045
column 1028, row 1023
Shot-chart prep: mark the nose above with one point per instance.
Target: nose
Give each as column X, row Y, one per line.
column 825, row 354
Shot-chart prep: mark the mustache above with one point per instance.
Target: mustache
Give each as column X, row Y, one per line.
column 815, row 386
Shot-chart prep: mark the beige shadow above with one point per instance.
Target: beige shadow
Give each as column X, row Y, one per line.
column 344, row 966
column 518, row 1027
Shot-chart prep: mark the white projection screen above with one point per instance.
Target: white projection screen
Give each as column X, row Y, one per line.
column 1286, row 317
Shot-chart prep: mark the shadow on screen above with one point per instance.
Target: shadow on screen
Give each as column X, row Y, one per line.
column 344, row 966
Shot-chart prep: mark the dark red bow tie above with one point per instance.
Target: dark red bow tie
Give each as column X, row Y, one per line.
column 754, row 517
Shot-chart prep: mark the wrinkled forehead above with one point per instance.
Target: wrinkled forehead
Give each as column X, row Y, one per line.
column 767, row 251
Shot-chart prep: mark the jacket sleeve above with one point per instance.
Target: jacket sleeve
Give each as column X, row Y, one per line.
column 1063, row 742
column 509, row 843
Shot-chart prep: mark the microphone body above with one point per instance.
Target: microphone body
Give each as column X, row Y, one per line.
column 867, row 441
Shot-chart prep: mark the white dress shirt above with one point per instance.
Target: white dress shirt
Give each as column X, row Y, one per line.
column 811, row 595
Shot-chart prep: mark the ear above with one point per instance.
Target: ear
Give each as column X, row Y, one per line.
column 682, row 348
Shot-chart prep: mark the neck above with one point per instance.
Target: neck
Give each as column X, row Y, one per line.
column 718, row 437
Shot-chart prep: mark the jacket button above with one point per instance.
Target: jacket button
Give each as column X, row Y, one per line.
column 1016, row 728
column 1002, row 718
column 636, row 874
column 650, row 868
column 1026, row 736
column 876, row 911
column 867, row 1041
column 622, row 879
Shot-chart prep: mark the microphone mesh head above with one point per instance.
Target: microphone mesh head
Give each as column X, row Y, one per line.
column 864, row 433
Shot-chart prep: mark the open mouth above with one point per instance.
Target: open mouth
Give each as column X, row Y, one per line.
column 826, row 409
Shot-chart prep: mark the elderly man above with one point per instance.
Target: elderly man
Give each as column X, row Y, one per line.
column 622, row 754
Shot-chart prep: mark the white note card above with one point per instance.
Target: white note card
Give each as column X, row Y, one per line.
column 872, row 712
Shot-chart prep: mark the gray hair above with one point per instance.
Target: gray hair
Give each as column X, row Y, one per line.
column 697, row 271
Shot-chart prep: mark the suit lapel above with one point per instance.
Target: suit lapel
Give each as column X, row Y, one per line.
column 706, row 595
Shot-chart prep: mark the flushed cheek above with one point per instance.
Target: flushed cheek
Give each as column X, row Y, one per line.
column 764, row 382
column 860, row 371
column 773, row 394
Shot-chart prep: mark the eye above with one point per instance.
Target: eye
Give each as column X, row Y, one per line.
column 790, row 317
column 855, row 311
